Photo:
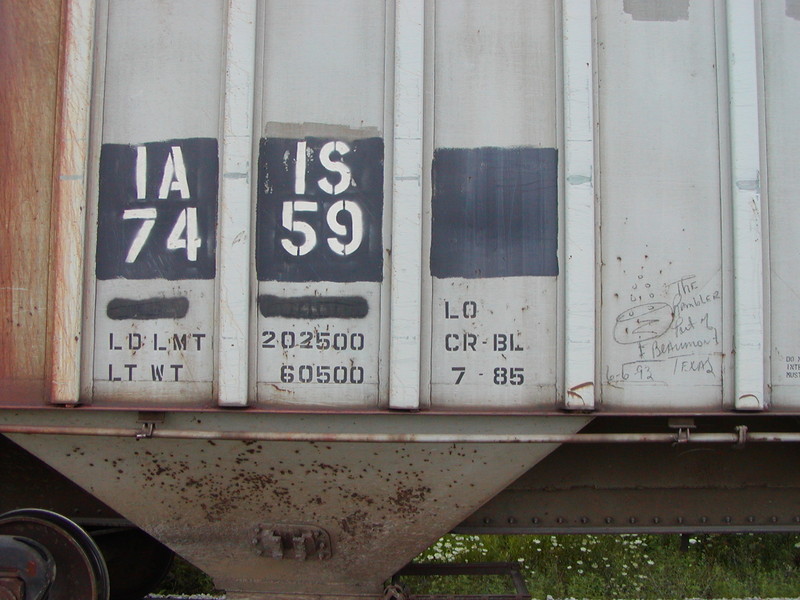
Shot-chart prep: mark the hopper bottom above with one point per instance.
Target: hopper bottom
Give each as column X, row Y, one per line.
column 255, row 515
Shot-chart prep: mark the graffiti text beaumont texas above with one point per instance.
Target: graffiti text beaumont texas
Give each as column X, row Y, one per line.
column 670, row 338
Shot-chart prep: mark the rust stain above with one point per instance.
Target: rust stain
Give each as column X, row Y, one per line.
column 573, row 391
column 31, row 569
column 67, row 211
column 407, row 501
column 29, row 54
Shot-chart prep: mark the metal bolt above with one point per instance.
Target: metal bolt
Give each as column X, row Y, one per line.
column 773, row 519
column 704, row 519
column 535, row 520
column 656, row 520
column 727, row 519
column 511, row 520
column 797, row 519
column 751, row 519
column 560, row 520
column 632, row 520
column 608, row 520
column 584, row 520
column 679, row 520
column 486, row 520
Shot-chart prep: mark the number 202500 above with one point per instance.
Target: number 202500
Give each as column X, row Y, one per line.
column 310, row 340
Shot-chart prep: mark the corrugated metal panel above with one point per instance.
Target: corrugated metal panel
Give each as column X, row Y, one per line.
column 156, row 211
column 494, row 207
column 662, row 194
column 244, row 189
column 320, row 203
column 781, row 39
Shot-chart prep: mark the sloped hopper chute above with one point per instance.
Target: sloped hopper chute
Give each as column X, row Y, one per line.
column 223, row 504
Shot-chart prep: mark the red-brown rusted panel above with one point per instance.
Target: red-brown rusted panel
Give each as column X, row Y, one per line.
column 29, row 55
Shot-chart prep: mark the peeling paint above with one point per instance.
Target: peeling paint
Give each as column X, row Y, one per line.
column 657, row 10
column 578, row 179
column 322, row 130
column 751, row 185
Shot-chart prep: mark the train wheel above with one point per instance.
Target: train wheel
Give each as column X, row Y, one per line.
column 80, row 569
column 136, row 562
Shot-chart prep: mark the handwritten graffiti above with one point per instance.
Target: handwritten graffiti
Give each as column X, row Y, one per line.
column 670, row 338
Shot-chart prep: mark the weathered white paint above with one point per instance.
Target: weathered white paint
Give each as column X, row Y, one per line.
column 234, row 247
column 648, row 135
column 406, row 257
column 486, row 344
column 163, row 80
column 495, row 72
column 747, row 234
column 163, row 76
column 780, row 184
column 323, row 62
column 69, row 201
column 579, row 218
column 321, row 72
column 152, row 347
column 663, row 334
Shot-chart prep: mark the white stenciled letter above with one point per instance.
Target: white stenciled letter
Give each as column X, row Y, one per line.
column 148, row 217
column 335, row 167
column 300, row 169
column 184, row 234
column 289, row 221
column 141, row 172
column 174, row 175
column 357, row 232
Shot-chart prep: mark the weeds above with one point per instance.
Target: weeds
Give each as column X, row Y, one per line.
column 604, row 566
column 627, row 566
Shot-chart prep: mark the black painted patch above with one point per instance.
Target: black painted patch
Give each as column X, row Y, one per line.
column 118, row 195
column 495, row 212
column 313, row 307
column 151, row 308
column 286, row 255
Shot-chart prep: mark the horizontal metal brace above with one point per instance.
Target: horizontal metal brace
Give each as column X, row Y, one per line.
column 739, row 437
column 452, row 569
column 645, row 528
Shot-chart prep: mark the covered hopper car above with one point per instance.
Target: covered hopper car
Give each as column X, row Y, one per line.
column 294, row 287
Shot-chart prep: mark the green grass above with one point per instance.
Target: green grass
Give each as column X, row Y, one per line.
column 626, row 566
column 589, row 566
column 184, row 579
